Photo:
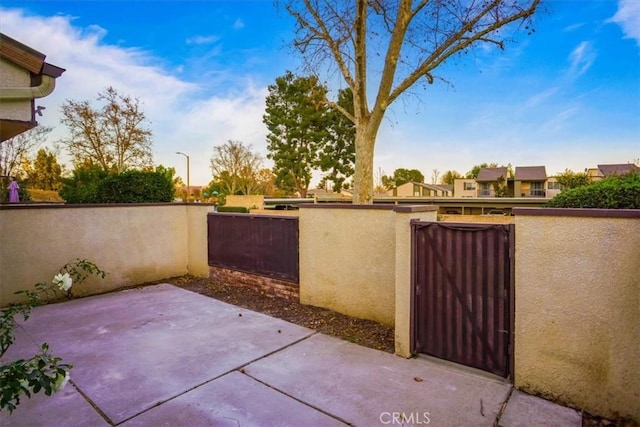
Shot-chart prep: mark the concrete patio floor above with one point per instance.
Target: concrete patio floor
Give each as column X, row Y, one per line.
column 164, row 356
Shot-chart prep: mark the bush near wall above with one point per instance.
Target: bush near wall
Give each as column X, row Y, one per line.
column 134, row 186
column 617, row 192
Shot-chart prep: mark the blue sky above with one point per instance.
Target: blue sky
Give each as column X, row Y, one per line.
column 566, row 97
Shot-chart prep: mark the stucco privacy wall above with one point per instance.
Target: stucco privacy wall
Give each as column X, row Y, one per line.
column 133, row 243
column 348, row 259
column 197, row 261
column 577, row 327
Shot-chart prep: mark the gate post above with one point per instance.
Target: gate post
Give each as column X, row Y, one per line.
column 404, row 302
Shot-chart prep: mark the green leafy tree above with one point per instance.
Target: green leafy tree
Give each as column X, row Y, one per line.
column 113, row 137
column 337, row 155
column 569, row 179
column 475, row 170
column 235, row 167
column 402, row 176
column 267, row 183
column 46, row 173
column 500, row 187
column 296, row 117
column 384, row 48
column 449, row 177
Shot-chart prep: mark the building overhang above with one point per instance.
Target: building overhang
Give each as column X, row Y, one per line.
column 42, row 82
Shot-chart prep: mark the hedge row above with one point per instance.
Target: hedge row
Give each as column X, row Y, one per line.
column 236, row 209
column 618, row 192
column 134, row 186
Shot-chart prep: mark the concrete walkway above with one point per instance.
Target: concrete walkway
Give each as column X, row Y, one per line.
column 164, row 356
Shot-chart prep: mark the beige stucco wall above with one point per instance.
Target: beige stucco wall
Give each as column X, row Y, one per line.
column 14, row 76
column 403, row 273
column 134, row 244
column 347, row 261
column 197, row 261
column 577, row 314
column 348, row 258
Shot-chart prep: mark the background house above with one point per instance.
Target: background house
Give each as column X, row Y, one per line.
column 419, row 189
column 606, row 171
column 529, row 181
column 465, row 187
column 553, row 187
column 492, row 182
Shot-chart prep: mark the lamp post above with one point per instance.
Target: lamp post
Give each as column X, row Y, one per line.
column 188, row 187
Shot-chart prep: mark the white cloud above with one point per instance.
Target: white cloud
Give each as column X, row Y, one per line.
column 581, row 59
column 558, row 121
column 628, row 17
column 239, row 24
column 182, row 116
column 541, row 97
column 573, row 27
column 202, row 39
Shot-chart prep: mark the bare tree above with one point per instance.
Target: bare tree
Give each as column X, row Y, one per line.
column 113, row 137
column 236, row 167
column 16, row 149
column 435, row 174
column 411, row 37
column 378, row 185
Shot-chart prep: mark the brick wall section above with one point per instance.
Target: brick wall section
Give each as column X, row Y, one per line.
column 265, row 284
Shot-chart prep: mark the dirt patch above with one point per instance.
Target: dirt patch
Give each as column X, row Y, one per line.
column 363, row 332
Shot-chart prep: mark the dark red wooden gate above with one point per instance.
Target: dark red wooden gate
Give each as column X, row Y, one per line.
column 463, row 293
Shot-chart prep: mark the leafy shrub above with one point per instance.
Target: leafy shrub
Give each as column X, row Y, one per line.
column 92, row 185
column 237, row 209
column 136, row 186
column 617, row 192
column 83, row 186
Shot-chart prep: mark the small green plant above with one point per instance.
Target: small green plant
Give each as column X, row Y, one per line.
column 42, row 372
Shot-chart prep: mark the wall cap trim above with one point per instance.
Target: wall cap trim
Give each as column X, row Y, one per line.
column 578, row 212
column 53, row 205
column 415, row 208
column 344, row 206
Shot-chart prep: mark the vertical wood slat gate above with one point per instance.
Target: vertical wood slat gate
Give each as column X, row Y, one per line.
column 462, row 278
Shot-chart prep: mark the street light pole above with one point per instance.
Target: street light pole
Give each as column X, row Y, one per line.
column 188, row 186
